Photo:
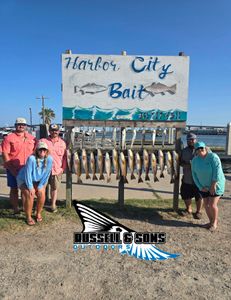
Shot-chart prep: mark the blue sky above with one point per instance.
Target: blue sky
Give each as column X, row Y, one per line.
column 34, row 34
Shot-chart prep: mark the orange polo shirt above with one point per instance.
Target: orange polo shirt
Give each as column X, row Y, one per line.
column 57, row 149
column 19, row 148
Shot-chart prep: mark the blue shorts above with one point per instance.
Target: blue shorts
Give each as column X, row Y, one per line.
column 11, row 180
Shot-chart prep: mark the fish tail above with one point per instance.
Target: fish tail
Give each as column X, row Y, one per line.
column 101, row 177
column 88, row 176
column 125, row 179
column 108, row 179
column 156, row 179
column 172, row 180
column 117, row 177
column 133, row 176
column 140, row 180
column 147, row 178
column 162, row 175
column 94, row 177
column 79, row 180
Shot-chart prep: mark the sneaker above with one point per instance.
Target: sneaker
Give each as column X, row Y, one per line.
column 54, row 209
column 185, row 213
column 198, row 215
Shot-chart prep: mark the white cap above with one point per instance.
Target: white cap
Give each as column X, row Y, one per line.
column 42, row 145
column 20, row 121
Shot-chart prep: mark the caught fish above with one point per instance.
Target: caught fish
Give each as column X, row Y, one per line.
column 72, row 138
column 90, row 88
column 139, row 167
column 153, row 137
column 69, row 159
column 108, row 166
column 146, row 164
column 93, row 137
column 159, row 88
column 124, row 139
column 115, row 161
column 85, row 163
column 176, row 163
column 169, row 164
column 133, row 137
column 103, row 136
column 77, row 167
column 83, row 139
column 114, row 137
column 161, row 162
column 131, row 163
column 123, row 167
column 164, row 136
column 93, row 165
column 142, row 138
column 100, row 164
column 154, row 167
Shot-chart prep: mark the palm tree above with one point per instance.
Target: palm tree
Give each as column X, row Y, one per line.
column 48, row 115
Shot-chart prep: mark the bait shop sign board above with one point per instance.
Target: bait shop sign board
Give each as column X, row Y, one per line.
column 118, row 87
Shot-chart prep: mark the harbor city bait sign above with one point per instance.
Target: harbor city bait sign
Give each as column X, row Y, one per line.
column 116, row 87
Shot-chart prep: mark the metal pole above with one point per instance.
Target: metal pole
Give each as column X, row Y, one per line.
column 177, row 180
column 30, row 116
column 43, row 110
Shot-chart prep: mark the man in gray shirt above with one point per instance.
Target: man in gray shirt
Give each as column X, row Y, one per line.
column 188, row 188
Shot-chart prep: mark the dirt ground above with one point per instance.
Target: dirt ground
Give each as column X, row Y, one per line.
column 39, row 263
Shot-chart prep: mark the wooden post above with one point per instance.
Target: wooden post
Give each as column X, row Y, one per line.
column 177, row 180
column 228, row 139
column 68, row 172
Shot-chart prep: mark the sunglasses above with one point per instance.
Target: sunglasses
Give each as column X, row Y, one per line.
column 20, row 124
column 42, row 149
column 200, row 148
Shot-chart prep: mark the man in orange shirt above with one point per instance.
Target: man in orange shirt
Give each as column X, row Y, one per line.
column 57, row 149
column 16, row 148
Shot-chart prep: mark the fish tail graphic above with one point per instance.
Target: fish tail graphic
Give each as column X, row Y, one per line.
column 162, row 175
column 88, row 176
column 172, row 180
column 108, row 180
column 117, row 177
column 125, row 179
column 140, row 180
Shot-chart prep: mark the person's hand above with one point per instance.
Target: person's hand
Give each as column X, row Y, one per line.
column 204, row 190
column 212, row 189
column 32, row 192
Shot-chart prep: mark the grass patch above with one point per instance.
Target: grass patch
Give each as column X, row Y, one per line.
column 134, row 209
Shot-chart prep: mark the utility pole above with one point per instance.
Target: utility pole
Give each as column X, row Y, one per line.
column 43, row 111
column 30, row 116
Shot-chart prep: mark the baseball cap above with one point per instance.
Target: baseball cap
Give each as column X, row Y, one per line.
column 20, row 121
column 199, row 145
column 191, row 136
column 42, row 145
column 54, row 127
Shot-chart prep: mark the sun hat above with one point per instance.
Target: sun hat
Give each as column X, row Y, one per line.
column 199, row 145
column 42, row 145
column 54, row 127
column 191, row 136
column 20, row 121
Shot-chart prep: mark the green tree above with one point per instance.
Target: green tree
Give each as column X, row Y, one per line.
column 48, row 115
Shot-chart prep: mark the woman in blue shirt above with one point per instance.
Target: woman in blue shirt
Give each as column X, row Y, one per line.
column 209, row 177
column 32, row 180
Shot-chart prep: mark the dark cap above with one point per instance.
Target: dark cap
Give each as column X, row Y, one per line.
column 191, row 136
column 53, row 127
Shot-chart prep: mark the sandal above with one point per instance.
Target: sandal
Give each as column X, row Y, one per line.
column 207, row 226
column 30, row 222
column 39, row 219
column 212, row 228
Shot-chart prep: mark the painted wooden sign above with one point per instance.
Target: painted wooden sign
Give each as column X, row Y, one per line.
column 116, row 87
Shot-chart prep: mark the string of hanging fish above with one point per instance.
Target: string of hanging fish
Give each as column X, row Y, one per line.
column 98, row 156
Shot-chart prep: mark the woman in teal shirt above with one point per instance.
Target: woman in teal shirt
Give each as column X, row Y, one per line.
column 32, row 180
column 209, row 178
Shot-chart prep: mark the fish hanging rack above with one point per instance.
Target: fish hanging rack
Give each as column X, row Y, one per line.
column 92, row 135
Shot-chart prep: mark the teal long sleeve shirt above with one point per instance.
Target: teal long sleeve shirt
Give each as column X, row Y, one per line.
column 207, row 170
column 31, row 173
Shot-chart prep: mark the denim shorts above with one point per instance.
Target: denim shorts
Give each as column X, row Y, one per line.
column 11, row 180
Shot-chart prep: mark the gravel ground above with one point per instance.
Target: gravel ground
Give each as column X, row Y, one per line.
column 39, row 263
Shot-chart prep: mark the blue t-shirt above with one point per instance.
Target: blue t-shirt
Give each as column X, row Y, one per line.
column 206, row 170
column 32, row 173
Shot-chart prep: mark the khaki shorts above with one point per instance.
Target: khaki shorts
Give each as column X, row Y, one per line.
column 55, row 181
